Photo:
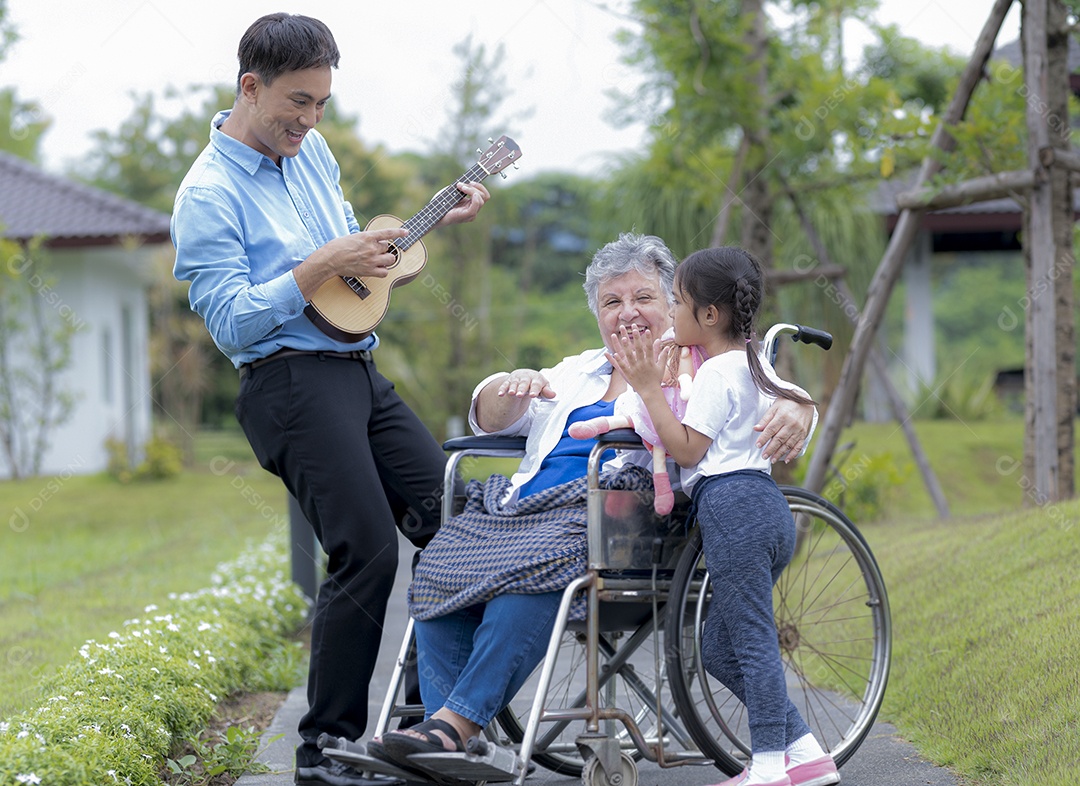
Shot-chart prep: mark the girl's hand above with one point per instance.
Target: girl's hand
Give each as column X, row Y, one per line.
column 640, row 359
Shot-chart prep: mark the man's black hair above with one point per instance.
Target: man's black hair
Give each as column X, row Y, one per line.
column 279, row 43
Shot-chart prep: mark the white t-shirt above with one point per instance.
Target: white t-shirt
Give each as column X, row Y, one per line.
column 725, row 405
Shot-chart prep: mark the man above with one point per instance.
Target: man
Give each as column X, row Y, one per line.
column 260, row 223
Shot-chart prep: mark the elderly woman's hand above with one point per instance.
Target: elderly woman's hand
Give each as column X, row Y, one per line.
column 784, row 430
column 526, row 383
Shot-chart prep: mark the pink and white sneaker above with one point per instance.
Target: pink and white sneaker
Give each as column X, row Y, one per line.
column 819, row 772
column 739, row 779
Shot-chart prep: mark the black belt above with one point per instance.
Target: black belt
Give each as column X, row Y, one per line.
column 281, row 354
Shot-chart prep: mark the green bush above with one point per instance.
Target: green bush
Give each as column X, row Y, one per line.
column 865, row 485
column 115, row 713
column 162, row 460
column 960, row 396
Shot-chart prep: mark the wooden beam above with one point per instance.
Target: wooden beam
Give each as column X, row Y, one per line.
column 881, row 286
column 1051, row 156
column 977, row 189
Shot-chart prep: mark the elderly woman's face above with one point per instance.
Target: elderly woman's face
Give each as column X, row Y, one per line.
column 632, row 299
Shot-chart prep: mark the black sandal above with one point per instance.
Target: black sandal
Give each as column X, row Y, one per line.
column 399, row 746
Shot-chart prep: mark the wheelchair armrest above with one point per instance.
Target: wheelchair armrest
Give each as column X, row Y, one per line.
column 620, row 435
column 485, row 443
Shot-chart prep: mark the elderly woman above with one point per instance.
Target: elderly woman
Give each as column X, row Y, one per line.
column 488, row 586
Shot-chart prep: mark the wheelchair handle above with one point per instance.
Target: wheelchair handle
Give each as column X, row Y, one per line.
column 809, row 335
column 806, row 335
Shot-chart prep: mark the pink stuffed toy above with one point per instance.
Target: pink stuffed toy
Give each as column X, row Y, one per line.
column 630, row 412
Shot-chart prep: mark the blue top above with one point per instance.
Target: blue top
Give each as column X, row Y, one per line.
column 569, row 460
column 240, row 225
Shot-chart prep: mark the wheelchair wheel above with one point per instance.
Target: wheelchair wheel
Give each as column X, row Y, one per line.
column 834, row 630
column 628, row 666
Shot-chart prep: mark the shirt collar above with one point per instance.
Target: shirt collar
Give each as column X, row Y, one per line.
column 598, row 362
column 247, row 157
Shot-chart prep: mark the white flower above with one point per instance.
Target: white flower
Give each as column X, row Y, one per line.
column 31, row 778
column 151, row 607
column 203, row 626
column 173, row 627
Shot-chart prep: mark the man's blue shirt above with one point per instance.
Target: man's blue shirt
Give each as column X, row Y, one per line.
column 240, row 225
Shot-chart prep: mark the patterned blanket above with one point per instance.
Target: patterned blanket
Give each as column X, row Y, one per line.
column 537, row 544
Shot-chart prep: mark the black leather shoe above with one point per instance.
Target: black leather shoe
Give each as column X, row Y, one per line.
column 336, row 773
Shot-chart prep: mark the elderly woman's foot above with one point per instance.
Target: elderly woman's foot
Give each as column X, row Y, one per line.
column 444, row 731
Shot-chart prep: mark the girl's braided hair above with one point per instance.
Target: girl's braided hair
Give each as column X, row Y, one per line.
column 731, row 279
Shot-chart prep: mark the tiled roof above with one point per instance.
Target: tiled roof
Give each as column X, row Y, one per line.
column 34, row 202
column 1012, row 53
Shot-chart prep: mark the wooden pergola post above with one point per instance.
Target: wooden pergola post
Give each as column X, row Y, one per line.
column 1040, row 241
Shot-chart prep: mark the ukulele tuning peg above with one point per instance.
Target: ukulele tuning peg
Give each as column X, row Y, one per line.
column 502, row 175
column 479, row 152
column 491, row 141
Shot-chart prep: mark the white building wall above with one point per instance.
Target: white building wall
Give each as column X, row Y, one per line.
column 104, row 293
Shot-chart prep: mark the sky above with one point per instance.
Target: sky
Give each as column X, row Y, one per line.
column 81, row 62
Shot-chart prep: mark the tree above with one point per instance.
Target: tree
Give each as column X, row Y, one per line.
column 22, row 123
column 455, row 291
column 777, row 136
column 7, row 31
column 36, row 331
column 755, row 124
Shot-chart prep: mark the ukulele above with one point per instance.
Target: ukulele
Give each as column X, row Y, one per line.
column 348, row 308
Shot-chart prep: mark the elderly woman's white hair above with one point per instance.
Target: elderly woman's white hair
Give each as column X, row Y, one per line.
column 646, row 254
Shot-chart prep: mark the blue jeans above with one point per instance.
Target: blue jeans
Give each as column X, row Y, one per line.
column 474, row 661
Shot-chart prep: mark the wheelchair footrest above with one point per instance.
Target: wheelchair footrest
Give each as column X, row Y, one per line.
column 366, row 763
column 481, row 761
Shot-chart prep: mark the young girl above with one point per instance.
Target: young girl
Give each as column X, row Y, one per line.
column 747, row 528
column 630, row 413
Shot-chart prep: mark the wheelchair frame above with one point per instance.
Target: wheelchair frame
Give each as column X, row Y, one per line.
column 675, row 584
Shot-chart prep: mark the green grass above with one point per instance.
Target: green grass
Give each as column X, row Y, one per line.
column 985, row 604
column 986, row 657
column 82, row 554
column 977, row 464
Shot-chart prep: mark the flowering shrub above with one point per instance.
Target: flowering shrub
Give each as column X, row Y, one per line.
column 113, row 714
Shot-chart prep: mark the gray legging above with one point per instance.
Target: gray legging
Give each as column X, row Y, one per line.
column 748, row 536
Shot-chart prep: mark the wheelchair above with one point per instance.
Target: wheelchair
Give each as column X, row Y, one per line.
column 628, row 683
